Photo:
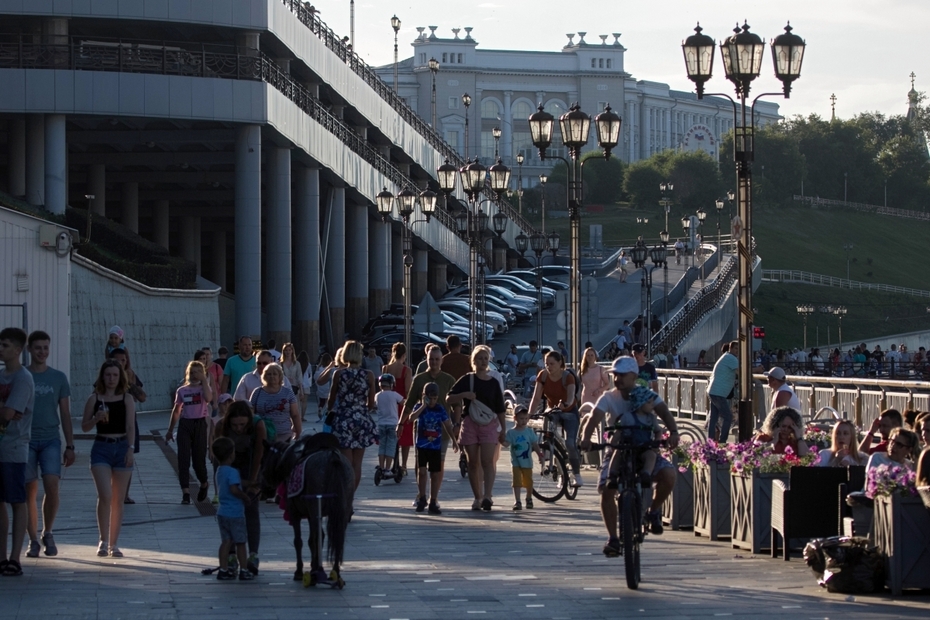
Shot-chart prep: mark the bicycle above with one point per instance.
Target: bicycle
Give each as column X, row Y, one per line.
column 551, row 479
column 634, row 496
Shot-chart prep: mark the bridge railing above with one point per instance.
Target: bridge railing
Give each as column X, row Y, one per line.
column 793, row 275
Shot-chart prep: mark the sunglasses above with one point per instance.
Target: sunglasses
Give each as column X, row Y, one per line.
column 901, row 444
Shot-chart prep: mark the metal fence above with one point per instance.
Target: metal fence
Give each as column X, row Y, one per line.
column 806, row 277
column 860, row 206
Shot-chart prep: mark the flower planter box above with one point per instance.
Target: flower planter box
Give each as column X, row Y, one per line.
column 751, row 510
column 712, row 501
column 678, row 509
column 901, row 528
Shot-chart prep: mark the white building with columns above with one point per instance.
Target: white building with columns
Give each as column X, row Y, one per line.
column 507, row 85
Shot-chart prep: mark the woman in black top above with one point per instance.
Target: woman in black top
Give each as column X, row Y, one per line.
column 112, row 410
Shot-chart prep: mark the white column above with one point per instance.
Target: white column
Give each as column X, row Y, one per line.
column 248, row 230
column 190, row 242
column 507, row 130
column 35, row 159
column 56, row 164
column 336, row 265
column 278, row 245
column 129, row 206
column 307, row 259
column 631, row 130
column 16, row 155
column 379, row 267
column 357, row 249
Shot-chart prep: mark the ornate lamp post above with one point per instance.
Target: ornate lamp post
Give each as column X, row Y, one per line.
column 665, row 201
column 840, row 312
column 575, row 126
column 542, row 193
column 805, row 310
column 466, row 101
column 433, row 70
column 395, row 24
column 664, row 237
column 701, row 215
column 520, row 183
column 719, row 205
column 496, row 133
column 686, row 227
column 658, row 254
column 742, row 62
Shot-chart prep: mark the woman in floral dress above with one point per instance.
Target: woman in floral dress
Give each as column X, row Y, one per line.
column 354, row 390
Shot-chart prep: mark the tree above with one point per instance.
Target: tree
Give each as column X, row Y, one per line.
column 641, row 183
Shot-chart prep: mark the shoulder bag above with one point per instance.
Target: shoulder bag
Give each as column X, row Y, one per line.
column 480, row 413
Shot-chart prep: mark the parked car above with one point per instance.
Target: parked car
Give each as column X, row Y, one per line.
column 418, row 341
column 508, row 297
column 529, row 276
column 518, row 286
column 499, row 321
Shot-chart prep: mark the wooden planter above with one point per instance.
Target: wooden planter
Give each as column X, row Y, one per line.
column 751, row 510
column 901, row 528
column 712, row 501
column 678, row 509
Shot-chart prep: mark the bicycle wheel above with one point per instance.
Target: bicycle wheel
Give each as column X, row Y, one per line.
column 629, row 525
column 571, row 491
column 550, row 478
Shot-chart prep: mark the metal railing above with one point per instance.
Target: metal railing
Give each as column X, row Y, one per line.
column 340, row 47
column 860, row 206
column 806, row 277
column 198, row 60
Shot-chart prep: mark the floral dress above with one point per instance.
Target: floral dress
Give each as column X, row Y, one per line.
column 352, row 425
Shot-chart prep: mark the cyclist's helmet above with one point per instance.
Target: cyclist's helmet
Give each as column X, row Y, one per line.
column 386, row 379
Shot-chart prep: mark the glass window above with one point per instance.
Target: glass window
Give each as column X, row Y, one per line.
column 445, row 57
column 454, row 103
column 487, row 146
column 452, row 138
column 594, row 63
column 556, row 108
column 460, row 59
column 521, row 111
column 489, row 109
column 608, row 63
column 600, row 63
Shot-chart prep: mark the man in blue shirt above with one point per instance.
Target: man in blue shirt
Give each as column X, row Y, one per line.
column 722, row 383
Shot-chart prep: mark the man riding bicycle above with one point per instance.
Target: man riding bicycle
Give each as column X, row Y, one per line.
column 616, row 405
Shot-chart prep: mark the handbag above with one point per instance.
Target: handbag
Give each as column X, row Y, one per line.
column 480, row 413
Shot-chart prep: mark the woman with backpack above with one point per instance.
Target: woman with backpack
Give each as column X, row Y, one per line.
column 557, row 385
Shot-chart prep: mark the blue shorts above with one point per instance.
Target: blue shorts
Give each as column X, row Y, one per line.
column 661, row 463
column 112, row 455
column 45, row 455
column 387, row 440
column 12, row 483
column 232, row 529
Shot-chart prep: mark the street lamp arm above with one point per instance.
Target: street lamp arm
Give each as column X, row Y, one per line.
column 752, row 113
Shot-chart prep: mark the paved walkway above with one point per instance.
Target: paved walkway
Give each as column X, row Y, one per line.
column 544, row 563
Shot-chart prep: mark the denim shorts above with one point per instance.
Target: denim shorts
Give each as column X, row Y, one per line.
column 232, row 529
column 45, row 455
column 387, row 440
column 12, row 483
column 113, row 455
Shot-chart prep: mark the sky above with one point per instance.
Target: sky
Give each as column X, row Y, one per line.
column 863, row 51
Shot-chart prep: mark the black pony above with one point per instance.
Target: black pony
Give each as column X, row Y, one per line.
column 328, row 490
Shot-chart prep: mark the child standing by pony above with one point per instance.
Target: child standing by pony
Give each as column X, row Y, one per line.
column 231, row 514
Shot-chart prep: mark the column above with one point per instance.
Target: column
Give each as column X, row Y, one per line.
column 161, row 218
column 190, row 246
column 56, row 164
column 397, row 268
column 420, row 275
column 129, row 206
column 35, row 159
column 248, row 228
column 16, row 155
column 647, row 132
column 307, row 260
column 335, row 269
column 357, row 250
column 97, row 187
column 438, row 274
column 278, row 245
column 631, row 124
column 218, row 258
column 379, row 267
column 507, row 131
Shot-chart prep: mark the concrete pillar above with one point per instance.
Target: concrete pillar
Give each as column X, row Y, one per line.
column 97, row 186
column 278, row 247
column 16, row 155
column 218, row 258
column 307, row 261
column 507, row 130
column 248, row 229
column 397, row 268
column 420, row 275
column 500, row 257
column 438, row 271
column 362, row 132
column 35, row 159
column 379, row 267
column 248, row 45
column 357, row 250
column 314, row 89
column 337, row 110
column 161, row 219
column 129, row 206
column 190, row 246
column 336, row 268
column 56, row 164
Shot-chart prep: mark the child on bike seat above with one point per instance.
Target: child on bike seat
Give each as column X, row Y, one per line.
column 641, row 414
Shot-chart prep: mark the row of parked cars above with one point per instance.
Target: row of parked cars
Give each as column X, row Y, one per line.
column 509, row 298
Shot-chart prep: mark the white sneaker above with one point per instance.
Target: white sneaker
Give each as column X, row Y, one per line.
column 578, row 481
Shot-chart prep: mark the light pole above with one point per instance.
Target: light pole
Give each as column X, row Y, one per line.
column 664, row 237
column 805, row 311
column 742, row 61
column 658, row 254
column 840, row 312
column 466, row 101
column 395, row 24
column 407, row 201
column 701, row 215
column 542, row 192
column 719, row 205
column 520, row 184
column 665, row 201
column 433, row 70
column 496, row 133
column 575, row 126
column 686, row 227
column 847, row 246
column 90, row 201
column 845, row 180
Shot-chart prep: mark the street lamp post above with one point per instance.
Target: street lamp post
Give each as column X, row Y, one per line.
column 575, row 126
column 840, row 312
column 665, row 201
column 433, row 70
column 496, row 133
column 719, row 205
column 407, row 201
column 686, row 227
column 658, row 254
column 664, row 237
column 542, row 192
column 520, row 183
column 701, row 215
column 805, row 310
column 848, row 247
column 395, row 24
column 742, row 61
column 466, row 101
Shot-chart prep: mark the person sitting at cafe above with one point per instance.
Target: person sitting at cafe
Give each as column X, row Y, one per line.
column 844, row 448
column 783, row 427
